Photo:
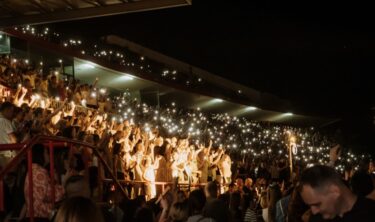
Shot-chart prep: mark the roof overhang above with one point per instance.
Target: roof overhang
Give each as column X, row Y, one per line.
column 87, row 72
column 120, row 78
column 21, row 12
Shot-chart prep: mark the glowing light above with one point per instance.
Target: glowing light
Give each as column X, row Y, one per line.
column 87, row 66
column 251, row 108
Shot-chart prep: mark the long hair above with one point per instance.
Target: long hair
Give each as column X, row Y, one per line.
column 79, row 209
column 38, row 154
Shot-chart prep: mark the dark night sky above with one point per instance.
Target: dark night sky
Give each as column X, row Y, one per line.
column 319, row 56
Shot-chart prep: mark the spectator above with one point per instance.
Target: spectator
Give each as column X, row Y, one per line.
column 79, row 209
column 7, row 132
column 42, row 200
column 323, row 190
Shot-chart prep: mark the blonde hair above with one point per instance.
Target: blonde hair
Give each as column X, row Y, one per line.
column 79, row 209
column 179, row 211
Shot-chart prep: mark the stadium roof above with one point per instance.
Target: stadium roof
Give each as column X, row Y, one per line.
column 249, row 103
column 21, row 12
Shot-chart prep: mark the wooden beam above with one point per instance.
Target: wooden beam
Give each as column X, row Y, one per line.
column 71, row 4
column 84, row 13
column 92, row 2
column 40, row 6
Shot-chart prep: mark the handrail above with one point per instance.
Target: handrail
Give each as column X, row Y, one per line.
column 18, row 146
column 27, row 147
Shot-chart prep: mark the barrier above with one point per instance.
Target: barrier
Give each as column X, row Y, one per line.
column 52, row 143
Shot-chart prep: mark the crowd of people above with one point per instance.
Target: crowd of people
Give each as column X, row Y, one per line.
column 243, row 164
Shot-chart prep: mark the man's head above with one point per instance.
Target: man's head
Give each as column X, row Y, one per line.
column 211, row 190
column 248, row 182
column 7, row 110
column 322, row 188
column 239, row 183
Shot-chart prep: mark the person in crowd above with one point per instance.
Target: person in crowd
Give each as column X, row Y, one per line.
column 137, row 152
column 179, row 212
column 7, row 132
column 42, row 188
column 211, row 191
column 323, row 190
column 79, row 209
column 196, row 202
column 77, row 185
column 274, row 195
column 235, row 207
column 249, row 208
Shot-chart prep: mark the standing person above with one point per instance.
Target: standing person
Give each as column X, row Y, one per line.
column 225, row 167
column 42, row 201
column 7, row 134
column 149, row 178
column 324, row 191
column 79, row 209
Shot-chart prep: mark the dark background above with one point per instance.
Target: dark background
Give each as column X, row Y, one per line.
column 318, row 55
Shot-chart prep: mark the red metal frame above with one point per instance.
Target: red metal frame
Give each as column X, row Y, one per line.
column 31, row 188
column 52, row 170
column 52, row 143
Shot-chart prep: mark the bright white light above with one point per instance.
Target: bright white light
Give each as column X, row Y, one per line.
column 251, row 108
column 87, row 66
column 27, row 61
column 217, row 100
column 289, row 114
column 102, row 91
column 83, row 102
column 60, row 61
column 124, row 78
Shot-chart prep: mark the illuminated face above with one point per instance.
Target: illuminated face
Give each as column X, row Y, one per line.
column 324, row 201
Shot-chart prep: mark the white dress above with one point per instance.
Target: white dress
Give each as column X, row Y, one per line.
column 150, row 184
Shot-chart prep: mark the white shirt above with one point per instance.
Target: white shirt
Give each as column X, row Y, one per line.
column 6, row 128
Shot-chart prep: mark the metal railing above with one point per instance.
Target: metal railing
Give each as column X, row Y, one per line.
column 25, row 149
